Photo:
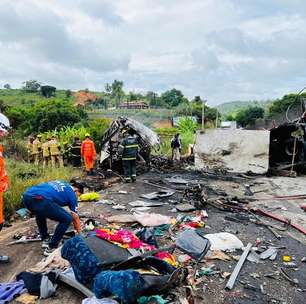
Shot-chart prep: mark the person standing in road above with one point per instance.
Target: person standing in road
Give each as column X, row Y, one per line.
column 4, row 181
column 176, row 146
column 88, row 152
column 128, row 150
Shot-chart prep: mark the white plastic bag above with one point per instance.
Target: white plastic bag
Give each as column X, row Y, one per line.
column 94, row 300
column 224, row 241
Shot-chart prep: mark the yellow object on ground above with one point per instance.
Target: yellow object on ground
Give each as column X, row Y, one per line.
column 287, row 258
column 89, row 197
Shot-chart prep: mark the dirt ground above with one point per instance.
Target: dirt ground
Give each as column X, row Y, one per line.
column 257, row 283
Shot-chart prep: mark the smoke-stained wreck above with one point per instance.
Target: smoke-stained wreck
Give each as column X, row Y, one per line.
column 147, row 139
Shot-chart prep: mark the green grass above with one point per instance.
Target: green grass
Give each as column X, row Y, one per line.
column 23, row 175
column 148, row 116
column 165, row 147
column 18, row 97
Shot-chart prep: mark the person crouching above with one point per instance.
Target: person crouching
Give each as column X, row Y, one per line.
column 45, row 201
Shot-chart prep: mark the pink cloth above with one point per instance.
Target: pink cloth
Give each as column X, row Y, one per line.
column 123, row 237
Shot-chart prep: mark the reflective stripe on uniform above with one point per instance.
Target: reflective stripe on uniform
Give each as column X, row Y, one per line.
column 129, row 158
column 131, row 146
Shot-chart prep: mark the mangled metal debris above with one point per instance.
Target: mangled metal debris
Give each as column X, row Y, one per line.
column 147, row 139
column 158, row 194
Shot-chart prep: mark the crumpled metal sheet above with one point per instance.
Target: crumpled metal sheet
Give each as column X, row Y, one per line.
column 144, row 132
column 158, row 194
column 147, row 137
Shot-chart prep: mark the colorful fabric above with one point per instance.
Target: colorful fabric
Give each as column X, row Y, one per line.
column 167, row 257
column 123, row 238
column 192, row 225
column 127, row 239
column 126, row 285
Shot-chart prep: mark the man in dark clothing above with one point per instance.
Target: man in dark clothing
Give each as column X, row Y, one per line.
column 176, row 146
column 128, row 149
column 75, row 152
column 45, row 201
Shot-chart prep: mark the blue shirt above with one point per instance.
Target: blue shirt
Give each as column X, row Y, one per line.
column 58, row 192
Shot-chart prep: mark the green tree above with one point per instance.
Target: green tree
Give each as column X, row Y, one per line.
column 68, row 94
column 51, row 114
column 184, row 109
column 173, row 98
column 18, row 117
column 248, row 116
column 281, row 105
column 7, row 86
column 31, row 86
column 154, row 100
column 210, row 113
column 230, row 117
column 117, row 91
column 47, row 91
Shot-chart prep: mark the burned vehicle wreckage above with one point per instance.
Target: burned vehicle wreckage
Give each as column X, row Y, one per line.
column 288, row 140
column 147, row 139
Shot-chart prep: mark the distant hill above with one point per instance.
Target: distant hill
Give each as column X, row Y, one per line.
column 233, row 107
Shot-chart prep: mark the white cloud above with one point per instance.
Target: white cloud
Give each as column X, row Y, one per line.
column 222, row 50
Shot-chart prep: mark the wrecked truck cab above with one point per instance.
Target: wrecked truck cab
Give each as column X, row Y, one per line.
column 147, row 139
column 287, row 145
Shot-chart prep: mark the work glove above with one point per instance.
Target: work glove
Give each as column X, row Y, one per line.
column 76, row 222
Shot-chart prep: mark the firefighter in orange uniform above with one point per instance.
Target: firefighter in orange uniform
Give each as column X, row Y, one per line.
column 4, row 182
column 88, row 152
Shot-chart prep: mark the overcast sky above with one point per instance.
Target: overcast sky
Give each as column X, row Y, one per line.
column 222, row 50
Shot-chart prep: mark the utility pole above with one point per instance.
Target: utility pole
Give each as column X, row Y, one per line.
column 217, row 118
column 203, row 114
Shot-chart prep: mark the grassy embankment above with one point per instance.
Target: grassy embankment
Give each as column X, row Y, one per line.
column 152, row 118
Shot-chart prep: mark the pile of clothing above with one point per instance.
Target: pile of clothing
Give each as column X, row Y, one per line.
column 110, row 263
